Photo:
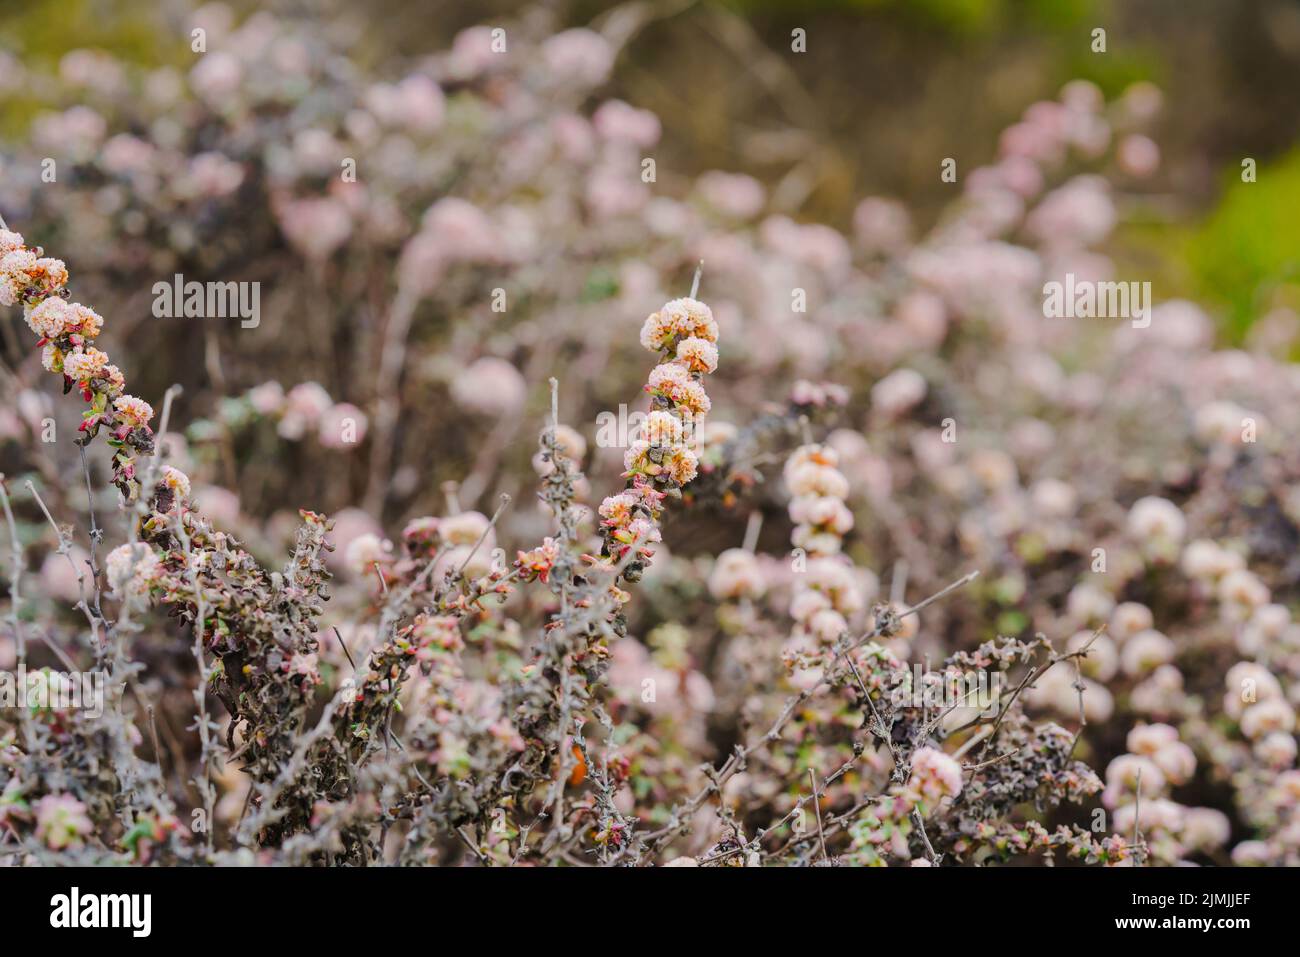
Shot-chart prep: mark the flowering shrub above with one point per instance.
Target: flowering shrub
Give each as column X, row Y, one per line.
column 702, row 667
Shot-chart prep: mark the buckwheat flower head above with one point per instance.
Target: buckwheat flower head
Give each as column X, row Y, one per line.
column 1156, row 518
column 694, row 400
column 52, row 358
column 61, row 821
column 822, row 511
column 135, row 412
column 579, row 55
column 80, row 320
column 177, row 481
column 1102, row 661
column 698, row 355
column 637, row 459
column 416, row 103
column 1272, row 621
column 827, row 626
column 490, row 386
column 15, row 267
column 675, row 462
column 1277, row 749
column 310, row 400
column 656, row 332
column 267, row 398
column 935, row 775
column 314, row 226
column 616, row 510
column 1087, row 603
column 1158, row 814
column 1249, row 676
column 472, row 53
column 1268, row 627
column 668, row 379
column 807, row 602
column 1145, row 651
column 342, row 426
column 212, row 175
column 818, row 394
column 539, row 561
column 49, row 318
column 130, row 568
column 421, row 532
column 9, row 241
column 732, row 194
column 1288, row 784
column 366, row 551
column 881, row 225
column 47, row 276
column 1266, row 717
column 1177, row 761
column 820, row 480
column 689, row 318
column 113, row 379
column 1248, row 683
column 1056, row 690
column 440, row 632
column 1128, row 619
column 642, row 531
column 1149, row 738
column 1205, row 829
column 617, row 121
column 682, row 465
column 1220, row 422
column 1251, row 854
column 473, row 563
column 1244, row 590
column 571, row 442
column 1122, row 775
column 1206, row 561
column 816, row 542
column 462, row 231
column 467, row 528
column 1054, row 498
column 836, row 579
column 662, row 429
column 736, row 574
column 82, row 365
column 811, row 454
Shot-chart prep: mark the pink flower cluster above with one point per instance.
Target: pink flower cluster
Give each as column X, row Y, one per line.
column 826, row 594
column 935, row 776
column 65, row 330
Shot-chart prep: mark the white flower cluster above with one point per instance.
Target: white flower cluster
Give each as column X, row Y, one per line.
column 935, row 776
column 65, row 330
column 737, row 575
column 827, row 594
column 1137, row 786
column 817, row 490
column 131, row 569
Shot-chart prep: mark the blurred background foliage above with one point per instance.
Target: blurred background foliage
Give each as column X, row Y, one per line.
column 886, row 89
